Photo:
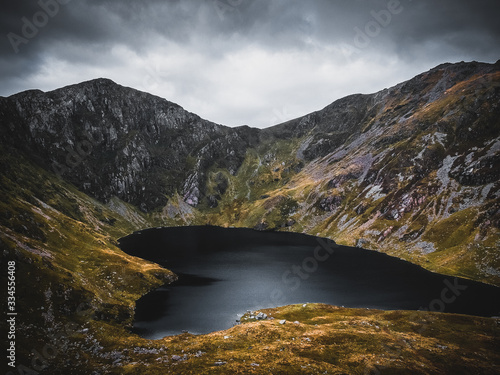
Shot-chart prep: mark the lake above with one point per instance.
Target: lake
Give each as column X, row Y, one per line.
column 223, row 272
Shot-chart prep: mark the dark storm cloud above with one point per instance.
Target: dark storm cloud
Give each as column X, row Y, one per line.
column 276, row 23
column 189, row 47
column 466, row 27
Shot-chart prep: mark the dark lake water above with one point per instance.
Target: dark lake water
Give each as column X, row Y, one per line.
column 225, row 272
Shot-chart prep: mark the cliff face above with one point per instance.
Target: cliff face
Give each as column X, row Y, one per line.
column 109, row 141
column 412, row 170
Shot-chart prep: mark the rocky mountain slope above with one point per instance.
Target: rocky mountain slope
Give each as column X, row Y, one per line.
column 412, row 171
column 110, row 141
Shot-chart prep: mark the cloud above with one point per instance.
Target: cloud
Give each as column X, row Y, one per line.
column 240, row 61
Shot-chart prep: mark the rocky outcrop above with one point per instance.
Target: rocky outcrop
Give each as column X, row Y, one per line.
column 110, row 140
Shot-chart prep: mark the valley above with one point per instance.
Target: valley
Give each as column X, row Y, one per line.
column 411, row 171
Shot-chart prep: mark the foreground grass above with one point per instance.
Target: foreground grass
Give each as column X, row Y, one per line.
column 315, row 339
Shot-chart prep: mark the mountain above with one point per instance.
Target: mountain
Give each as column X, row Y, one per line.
column 412, row 171
column 108, row 140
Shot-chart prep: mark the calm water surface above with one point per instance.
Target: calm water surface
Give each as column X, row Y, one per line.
column 225, row 272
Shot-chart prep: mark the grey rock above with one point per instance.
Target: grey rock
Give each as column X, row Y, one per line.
column 261, row 316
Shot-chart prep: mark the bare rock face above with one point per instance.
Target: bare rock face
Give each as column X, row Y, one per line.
column 110, row 140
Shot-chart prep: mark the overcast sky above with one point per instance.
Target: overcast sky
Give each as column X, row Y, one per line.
column 234, row 62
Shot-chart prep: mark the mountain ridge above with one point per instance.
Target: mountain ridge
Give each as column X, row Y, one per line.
column 113, row 141
column 412, row 171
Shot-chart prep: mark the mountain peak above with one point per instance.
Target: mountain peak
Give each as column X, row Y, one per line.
column 101, row 82
column 96, row 83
